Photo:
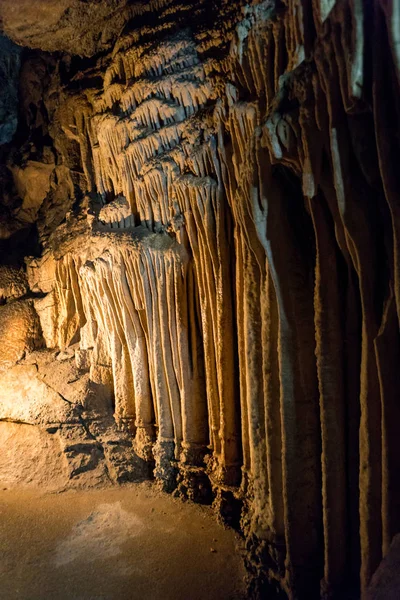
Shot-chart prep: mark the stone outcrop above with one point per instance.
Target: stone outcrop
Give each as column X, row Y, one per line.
column 13, row 283
column 67, row 425
column 19, row 331
column 219, row 244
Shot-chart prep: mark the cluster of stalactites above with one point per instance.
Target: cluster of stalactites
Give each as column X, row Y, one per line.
column 132, row 307
column 266, row 166
column 141, row 129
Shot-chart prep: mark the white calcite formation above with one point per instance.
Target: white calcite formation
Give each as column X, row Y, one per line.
column 228, row 276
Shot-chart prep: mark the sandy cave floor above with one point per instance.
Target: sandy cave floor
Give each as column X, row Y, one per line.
column 131, row 542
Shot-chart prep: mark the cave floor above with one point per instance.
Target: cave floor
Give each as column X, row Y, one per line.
column 130, row 542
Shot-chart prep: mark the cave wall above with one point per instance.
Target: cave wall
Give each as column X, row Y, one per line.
column 219, row 233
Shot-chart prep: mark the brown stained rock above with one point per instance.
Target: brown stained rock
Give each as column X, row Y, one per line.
column 25, row 398
column 64, row 26
column 31, row 457
column 46, row 309
column 13, row 283
column 41, row 273
column 32, row 184
column 72, row 26
column 19, row 332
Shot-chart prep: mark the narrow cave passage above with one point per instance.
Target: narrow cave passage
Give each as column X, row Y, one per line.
column 200, row 297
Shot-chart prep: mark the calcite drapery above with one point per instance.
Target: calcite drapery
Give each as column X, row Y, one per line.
column 238, row 287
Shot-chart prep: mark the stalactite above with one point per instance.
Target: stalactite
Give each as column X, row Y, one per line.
column 231, row 272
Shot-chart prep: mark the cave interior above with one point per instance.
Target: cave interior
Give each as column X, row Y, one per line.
column 200, row 272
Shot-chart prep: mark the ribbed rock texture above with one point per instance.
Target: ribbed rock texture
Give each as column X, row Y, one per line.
column 217, row 203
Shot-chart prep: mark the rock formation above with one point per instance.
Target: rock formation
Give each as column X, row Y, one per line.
column 205, row 200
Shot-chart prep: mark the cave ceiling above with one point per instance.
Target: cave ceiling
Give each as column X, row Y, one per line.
column 76, row 27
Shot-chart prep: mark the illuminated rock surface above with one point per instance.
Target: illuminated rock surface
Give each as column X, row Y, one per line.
column 207, row 209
